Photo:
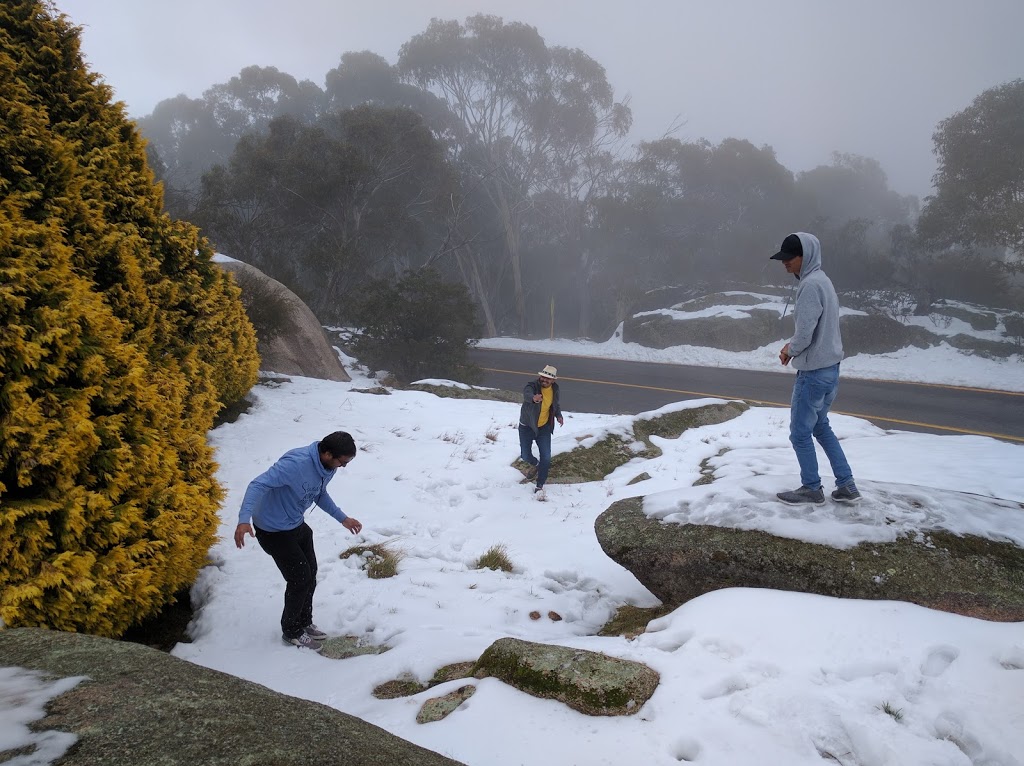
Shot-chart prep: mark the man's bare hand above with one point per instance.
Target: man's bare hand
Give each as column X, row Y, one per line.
column 784, row 356
column 240, row 532
column 537, row 398
column 352, row 525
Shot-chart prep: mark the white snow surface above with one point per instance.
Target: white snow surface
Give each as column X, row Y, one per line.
column 748, row 677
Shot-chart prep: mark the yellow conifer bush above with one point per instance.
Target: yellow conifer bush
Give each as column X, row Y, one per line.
column 119, row 342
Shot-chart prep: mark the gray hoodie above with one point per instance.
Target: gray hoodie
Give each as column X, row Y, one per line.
column 816, row 342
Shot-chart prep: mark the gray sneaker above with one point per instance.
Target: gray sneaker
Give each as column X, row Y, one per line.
column 314, row 632
column 304, row 642
column 847, row 494
column 803, row 496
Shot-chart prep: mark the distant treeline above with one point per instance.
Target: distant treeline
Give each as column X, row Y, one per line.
column 503, row 163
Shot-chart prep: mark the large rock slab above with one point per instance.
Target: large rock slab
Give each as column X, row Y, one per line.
column 298, row 345
column 589, row 682
column 142, row 707
column 962, row 574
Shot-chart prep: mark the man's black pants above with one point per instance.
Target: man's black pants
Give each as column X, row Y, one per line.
column 292, row 551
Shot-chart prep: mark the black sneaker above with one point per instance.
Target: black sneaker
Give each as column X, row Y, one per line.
column 847, row 494
column 803, row 496
column 304, row 642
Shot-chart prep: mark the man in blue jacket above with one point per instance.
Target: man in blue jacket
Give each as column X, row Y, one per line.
column 815, row 350
column 275, row 503
column 537, row 417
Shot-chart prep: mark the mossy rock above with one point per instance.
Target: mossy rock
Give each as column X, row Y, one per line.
column 990, row 349
column 457, row 392
column 142, row 707
column 934, row 568
column 406, row 686
column 594, row 463
column 343, row 647
column 760, row 328
column 877, row 334
column 439, row 708
column 588, row 682
column 630, row 621
column 718, row 299
column 978, row 320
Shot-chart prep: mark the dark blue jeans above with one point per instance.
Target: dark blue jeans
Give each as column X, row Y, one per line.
column 292, row 551
column 543, row 439
column 813, row 393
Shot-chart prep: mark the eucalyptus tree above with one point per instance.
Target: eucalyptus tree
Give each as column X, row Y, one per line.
column 533, row 116
column 190, row 135
column 325, row 207
column 979, row 185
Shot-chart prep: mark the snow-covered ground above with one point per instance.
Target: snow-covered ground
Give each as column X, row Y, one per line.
column 748, row 677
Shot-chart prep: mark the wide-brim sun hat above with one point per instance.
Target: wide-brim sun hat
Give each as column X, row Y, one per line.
column 549, row 372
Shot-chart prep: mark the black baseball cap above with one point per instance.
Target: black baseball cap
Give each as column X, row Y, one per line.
column 791, row 248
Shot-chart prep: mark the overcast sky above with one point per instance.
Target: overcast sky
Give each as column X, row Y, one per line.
column 807, row 77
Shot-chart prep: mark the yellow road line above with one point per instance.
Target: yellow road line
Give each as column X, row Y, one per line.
column 776, row 404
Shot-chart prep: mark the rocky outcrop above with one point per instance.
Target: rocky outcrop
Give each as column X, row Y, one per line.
column 142, row 707
column 291, row 339
column 677, row 562
column 589, row 682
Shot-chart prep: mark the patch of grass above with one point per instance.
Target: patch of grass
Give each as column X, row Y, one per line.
column 380, row 559
column 630, row 621
column 496, row 557
column 896, row 713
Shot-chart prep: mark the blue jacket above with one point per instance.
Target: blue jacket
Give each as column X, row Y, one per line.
column 816, row 342
column 276, row 500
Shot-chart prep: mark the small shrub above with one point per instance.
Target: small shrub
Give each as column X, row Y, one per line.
column 379, row 560
column 1014, row 328
column 496, row 557
column 418, row 327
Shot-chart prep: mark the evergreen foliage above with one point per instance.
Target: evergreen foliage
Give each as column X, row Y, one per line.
column 119, row 342
column 418, row 327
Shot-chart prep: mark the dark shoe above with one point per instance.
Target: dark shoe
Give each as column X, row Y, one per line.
column 304, row 642
column 847, row 494
column 803, row 496
column 314, row 632
column 532, row 473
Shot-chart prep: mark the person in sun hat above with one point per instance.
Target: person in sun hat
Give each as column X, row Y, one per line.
column 815, row 350
column 537, row 418
column 275, row 504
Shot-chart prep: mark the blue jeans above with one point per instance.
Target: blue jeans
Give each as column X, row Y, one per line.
column 813, row 393
column 543, row 439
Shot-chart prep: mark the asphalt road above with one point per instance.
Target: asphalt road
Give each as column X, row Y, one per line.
column 615, row 386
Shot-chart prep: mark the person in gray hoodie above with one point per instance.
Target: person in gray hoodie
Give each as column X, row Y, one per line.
column 815, row 351
column 273, row 510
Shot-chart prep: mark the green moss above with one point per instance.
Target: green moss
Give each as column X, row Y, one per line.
column 630, row 621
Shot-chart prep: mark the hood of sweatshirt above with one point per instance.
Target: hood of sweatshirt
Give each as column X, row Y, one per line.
column 812, row 253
